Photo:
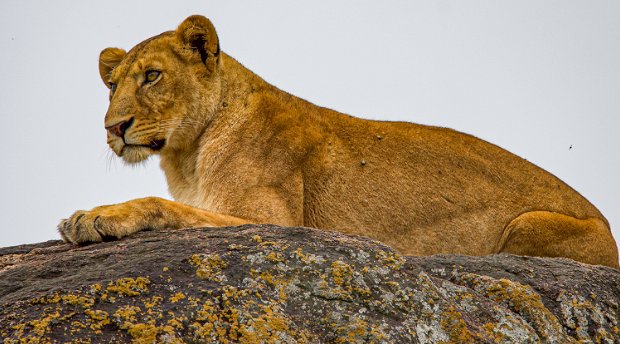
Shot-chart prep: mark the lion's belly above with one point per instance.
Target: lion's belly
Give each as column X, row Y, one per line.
column 410, row 227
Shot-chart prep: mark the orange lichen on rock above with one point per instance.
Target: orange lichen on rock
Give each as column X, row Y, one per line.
column 176, row 297
column 143, row 333
column 128, row 286
column 452, row 323
column 209, row 266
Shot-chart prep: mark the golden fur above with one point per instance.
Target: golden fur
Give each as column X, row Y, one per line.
column 236, row 149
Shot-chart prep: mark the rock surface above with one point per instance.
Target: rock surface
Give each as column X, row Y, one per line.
column 265, row 283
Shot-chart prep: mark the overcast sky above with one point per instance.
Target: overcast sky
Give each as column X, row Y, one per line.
column 534, row 77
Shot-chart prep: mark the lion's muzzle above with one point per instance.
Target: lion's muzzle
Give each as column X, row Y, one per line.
column 120, row 128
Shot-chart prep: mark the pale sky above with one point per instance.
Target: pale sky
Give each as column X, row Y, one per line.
column 534, row 77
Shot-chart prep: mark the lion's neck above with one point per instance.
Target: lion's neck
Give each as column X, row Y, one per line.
column 239, row 113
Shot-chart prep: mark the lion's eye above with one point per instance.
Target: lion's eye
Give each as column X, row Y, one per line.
column 151, row 76
column 112, row 88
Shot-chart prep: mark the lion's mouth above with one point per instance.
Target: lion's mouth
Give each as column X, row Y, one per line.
column 155, row 145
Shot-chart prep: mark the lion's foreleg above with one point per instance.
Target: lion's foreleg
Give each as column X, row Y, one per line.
column 150, row 213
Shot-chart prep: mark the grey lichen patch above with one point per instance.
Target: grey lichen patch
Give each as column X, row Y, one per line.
column 307, row 258
column 589, row 319
column 334, row 288
column 521, row 300
column 338, row 293
column 500, row 324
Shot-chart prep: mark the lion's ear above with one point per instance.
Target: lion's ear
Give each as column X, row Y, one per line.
column 108, row 60
column 198, row 33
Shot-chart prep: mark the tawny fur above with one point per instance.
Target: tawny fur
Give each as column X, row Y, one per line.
column 236, row 149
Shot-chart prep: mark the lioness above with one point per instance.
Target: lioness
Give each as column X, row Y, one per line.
column 237, row 150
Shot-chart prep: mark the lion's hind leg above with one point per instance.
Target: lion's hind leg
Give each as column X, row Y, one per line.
column 548, row 234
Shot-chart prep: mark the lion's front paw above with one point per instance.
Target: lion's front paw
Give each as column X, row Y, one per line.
column 100, row 224
column 80, row 228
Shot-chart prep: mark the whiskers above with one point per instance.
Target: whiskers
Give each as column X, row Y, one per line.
column 110, row 159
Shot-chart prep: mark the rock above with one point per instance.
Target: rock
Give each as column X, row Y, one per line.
column 272, row 284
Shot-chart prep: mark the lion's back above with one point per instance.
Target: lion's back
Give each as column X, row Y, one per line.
column 401, row 177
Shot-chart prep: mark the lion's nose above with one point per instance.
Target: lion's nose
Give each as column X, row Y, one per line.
column 119, row 128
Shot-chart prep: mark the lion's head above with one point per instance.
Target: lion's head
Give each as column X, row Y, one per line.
column 162, row 91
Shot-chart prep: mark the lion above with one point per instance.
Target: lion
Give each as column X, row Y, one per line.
column 236, row 150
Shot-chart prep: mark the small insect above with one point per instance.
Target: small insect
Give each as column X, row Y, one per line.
column 570, row 147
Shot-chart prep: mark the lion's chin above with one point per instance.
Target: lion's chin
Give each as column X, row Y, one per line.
column 135, row 154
